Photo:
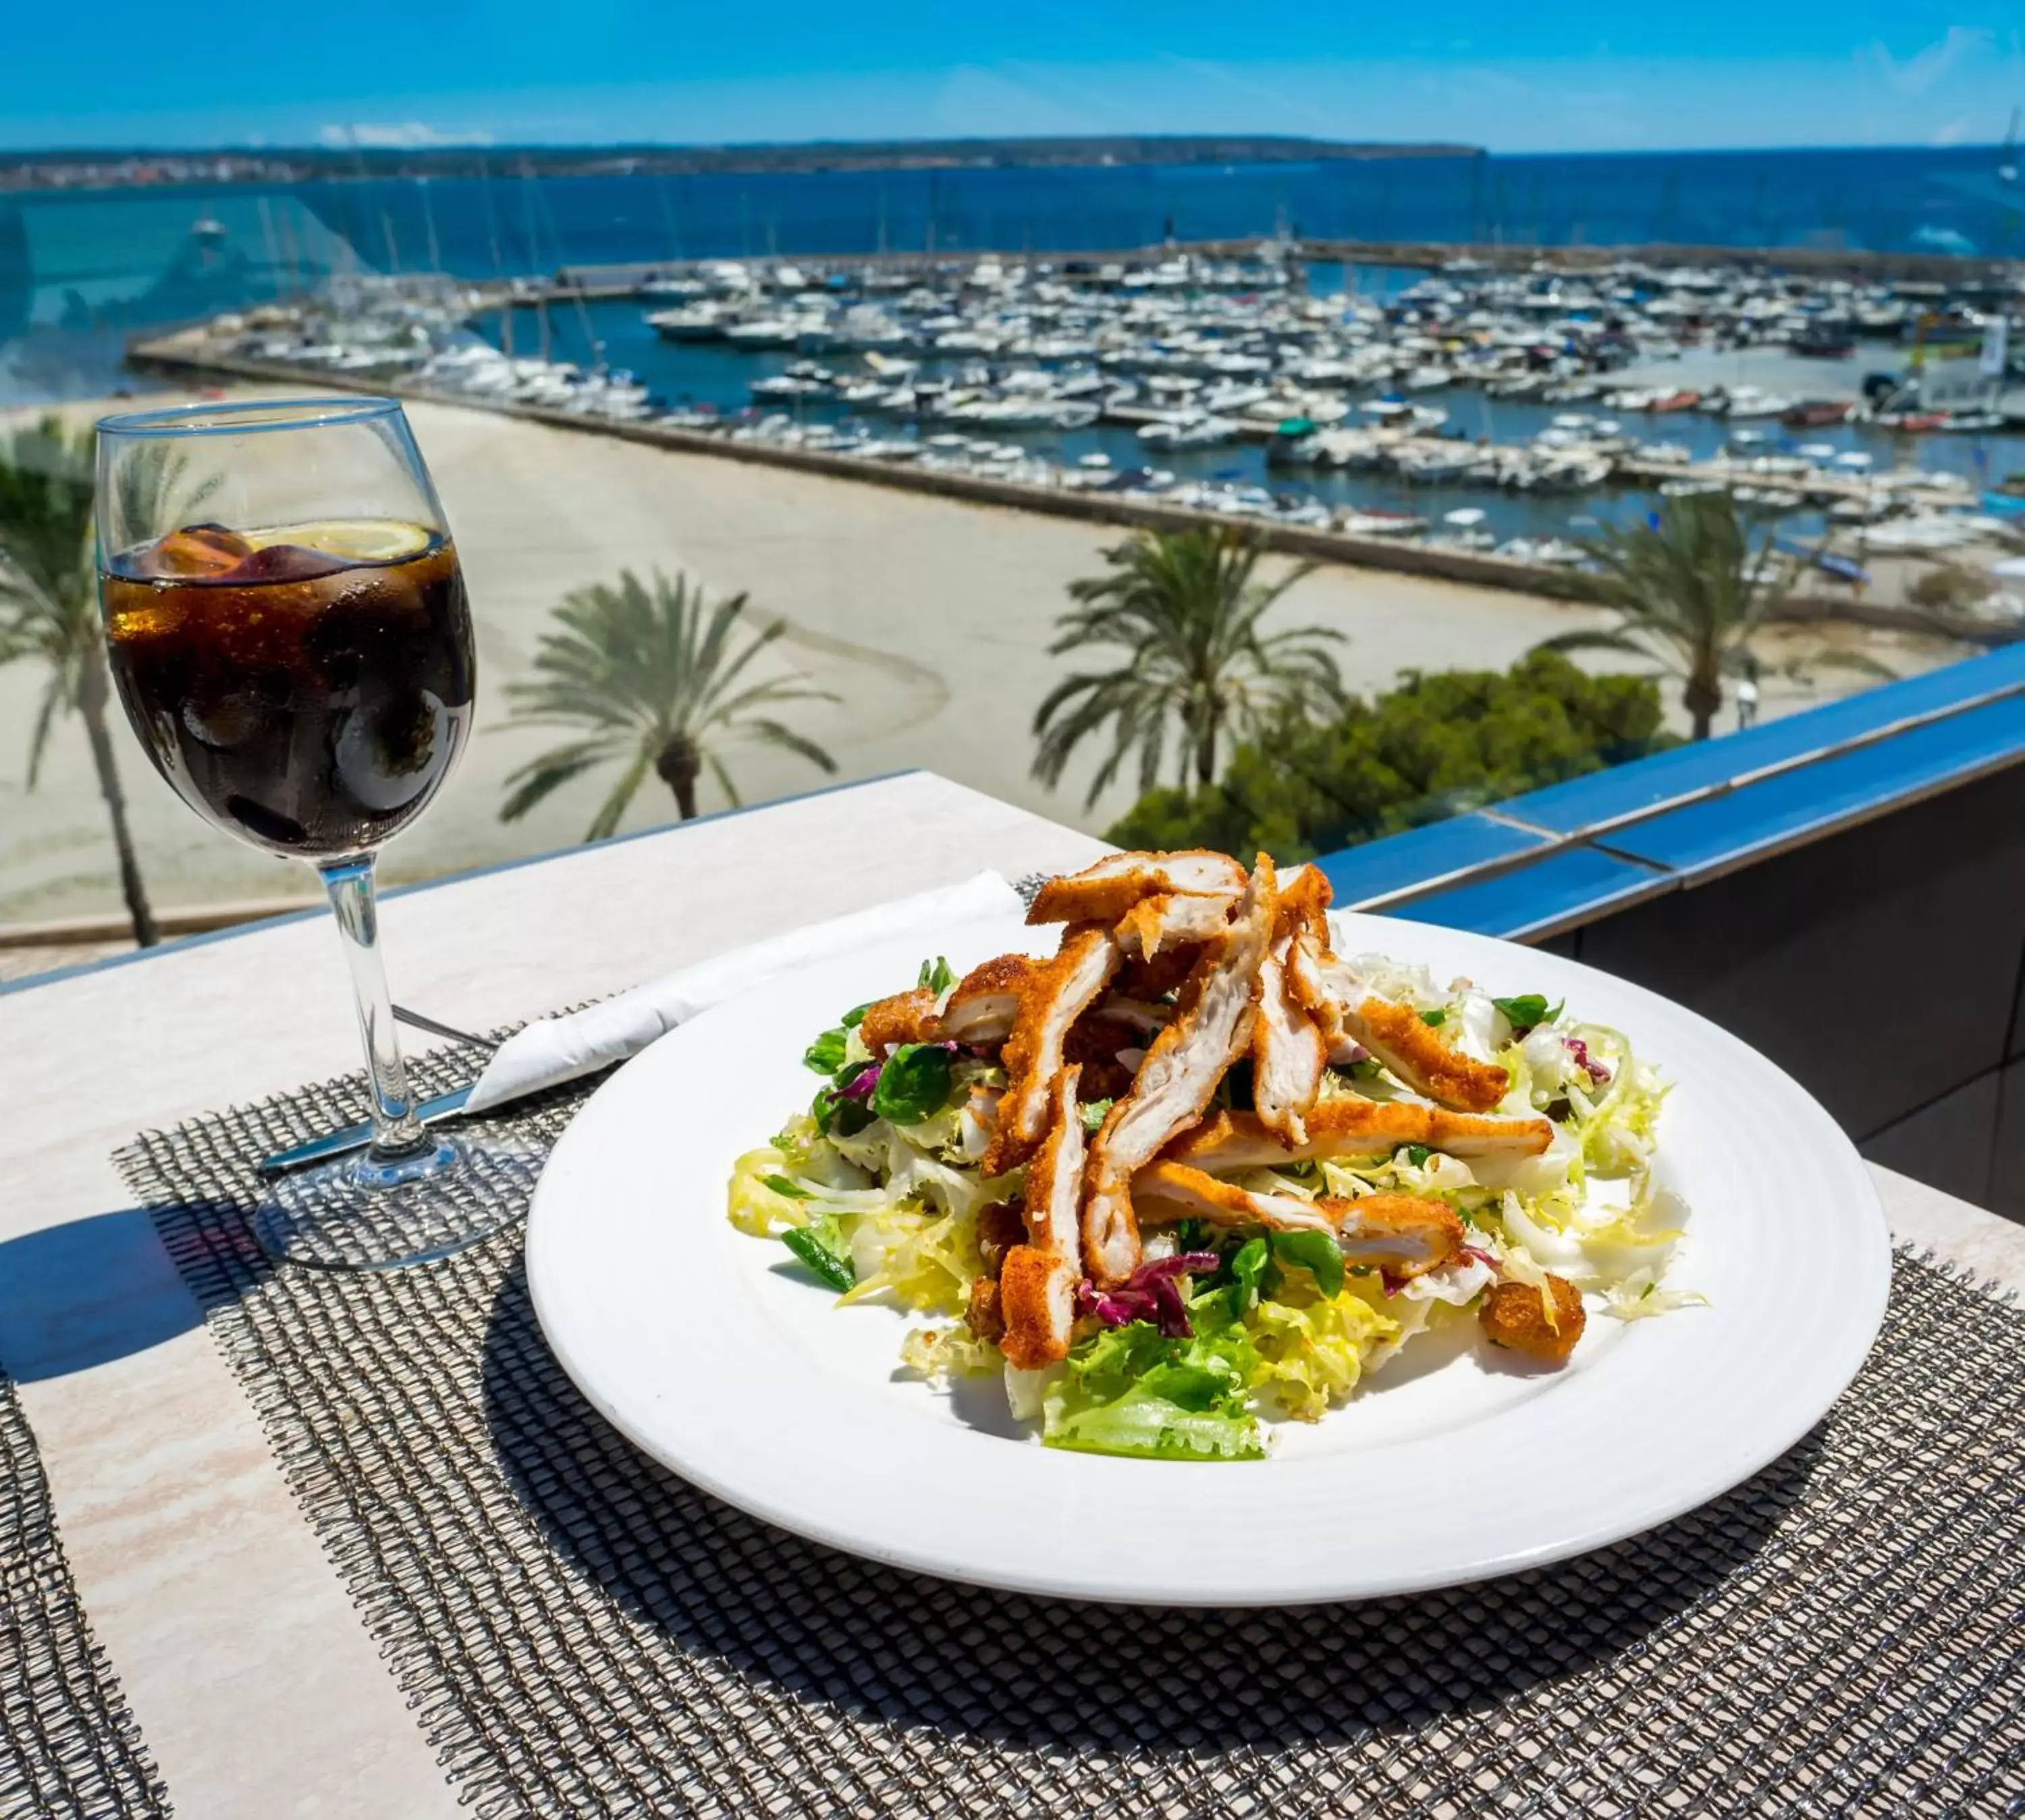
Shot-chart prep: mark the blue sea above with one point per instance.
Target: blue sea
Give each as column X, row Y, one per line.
column 81, row 270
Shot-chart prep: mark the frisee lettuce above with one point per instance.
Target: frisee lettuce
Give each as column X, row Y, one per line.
column 1312, row 1349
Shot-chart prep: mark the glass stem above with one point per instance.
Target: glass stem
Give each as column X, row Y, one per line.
column 396, row 1131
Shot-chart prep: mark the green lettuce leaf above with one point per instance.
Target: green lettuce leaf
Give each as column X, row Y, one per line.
column 914, row 1085
column 1127, row 1390
column 1149, row 1427
column 1527, row 1010
column 817, row 1246
column 1316, row 1252
column 826, row 1055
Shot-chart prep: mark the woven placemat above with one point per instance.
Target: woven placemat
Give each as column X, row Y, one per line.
column 579, row 1632
column 68, row 1744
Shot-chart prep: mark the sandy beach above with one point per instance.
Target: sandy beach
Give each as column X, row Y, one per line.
column 930, row 619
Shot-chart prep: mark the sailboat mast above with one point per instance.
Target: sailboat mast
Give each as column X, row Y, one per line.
column 429, row 223
column 498, row 271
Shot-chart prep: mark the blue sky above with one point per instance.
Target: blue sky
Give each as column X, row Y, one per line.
column 1548, row 76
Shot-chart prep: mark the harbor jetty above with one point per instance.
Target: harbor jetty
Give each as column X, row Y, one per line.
column 1950, row 271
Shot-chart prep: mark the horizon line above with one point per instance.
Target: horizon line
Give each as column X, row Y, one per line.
column 483, row 147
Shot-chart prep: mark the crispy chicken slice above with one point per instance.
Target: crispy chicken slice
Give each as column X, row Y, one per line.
column 1234, row 1141
column 1103, row 893
column 1415, row 1052
column 1354, row 1015
column 1304, row 904
column 1289, row 1049
column 1288, row 1053
column 1210, row 1029
column 908, row 1016
column 1305, row 895
column 1037, row 1283
column 1052, row 999
column 1350, row 1016
column 1401, row 1233
column 981, row 1008
column 1469, row 1134
column 1155, row 925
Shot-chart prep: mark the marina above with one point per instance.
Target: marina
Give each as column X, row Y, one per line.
column 1386, row 415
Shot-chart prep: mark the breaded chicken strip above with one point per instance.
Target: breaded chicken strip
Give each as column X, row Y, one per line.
column 1154, row 926
column 982, row 1009
column 1052, row 999
column 1211, row 1028
column 1352, row 1015
column 1234, row 1141
column 1304, row 902
column 1415, row 1052
column 1401, row 1233
column 908, row 1016
column 1103, row 893
column 1305, row 894
column 1037, row 1283
column 1289, row 1050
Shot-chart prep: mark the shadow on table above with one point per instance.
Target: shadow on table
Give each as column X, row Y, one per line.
column 88, row 1291
column 911, row 1650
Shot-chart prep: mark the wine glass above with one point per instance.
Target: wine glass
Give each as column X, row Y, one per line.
column 287, row 625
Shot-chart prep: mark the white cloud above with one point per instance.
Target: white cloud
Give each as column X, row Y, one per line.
column 1952, row 132
column 399, row 135
column 1925, row 67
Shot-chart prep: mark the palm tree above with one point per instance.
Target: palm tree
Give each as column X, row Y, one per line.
column 653, row 678
column 1185, row 609
column 1692, row 586
column 49, row 604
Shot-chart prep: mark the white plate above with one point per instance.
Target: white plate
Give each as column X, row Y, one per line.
column 717, row 1355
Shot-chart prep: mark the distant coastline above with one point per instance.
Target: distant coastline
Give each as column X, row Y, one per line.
column 112, row 168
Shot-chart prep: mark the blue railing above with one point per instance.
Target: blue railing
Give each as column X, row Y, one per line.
column 1552, row 860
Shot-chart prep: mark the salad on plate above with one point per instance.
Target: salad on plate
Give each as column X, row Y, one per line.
column 1197, row 1174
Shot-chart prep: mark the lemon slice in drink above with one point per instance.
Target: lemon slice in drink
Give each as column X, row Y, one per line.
column 349, row 539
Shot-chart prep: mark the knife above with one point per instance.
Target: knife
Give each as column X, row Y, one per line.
column 355, row 1137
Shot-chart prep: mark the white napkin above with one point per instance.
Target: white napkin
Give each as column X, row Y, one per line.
column 556, row 1049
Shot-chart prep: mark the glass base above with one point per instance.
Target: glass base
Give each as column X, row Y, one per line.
column 361, row 1214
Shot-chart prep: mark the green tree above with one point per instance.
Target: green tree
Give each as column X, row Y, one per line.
column 49, row 605
column 1691, row 587
column 1437, row 743
column 656, row 678
column 1183, row 610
